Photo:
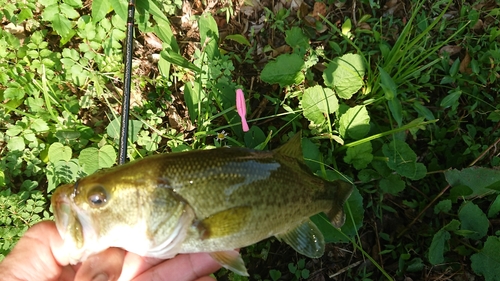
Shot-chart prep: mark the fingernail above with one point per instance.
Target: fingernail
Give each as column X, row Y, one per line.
column 100, row 277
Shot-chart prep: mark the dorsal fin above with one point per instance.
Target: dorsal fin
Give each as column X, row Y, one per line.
column 293, row 148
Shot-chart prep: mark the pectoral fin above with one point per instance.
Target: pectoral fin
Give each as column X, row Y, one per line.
column 225, row 222
column 305, row 239
column 231, row 260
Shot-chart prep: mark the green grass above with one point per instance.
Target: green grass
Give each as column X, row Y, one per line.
column 400, row 100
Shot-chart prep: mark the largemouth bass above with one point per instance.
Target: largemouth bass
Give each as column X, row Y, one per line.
column 210, row 201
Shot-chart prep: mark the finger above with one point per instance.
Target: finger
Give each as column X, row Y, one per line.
column 68, row 273
column 186, row 267
column 134, row 265
column 206, row 278
column 104, row 266
column 33, row 257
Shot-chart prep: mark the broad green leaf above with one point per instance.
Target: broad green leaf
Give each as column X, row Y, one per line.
column 66, row 135
column 416, row 265
column 47, row 3
column 14, row 93
column 69, row 11
column 312, row 155
column 74, row 3
column 494, row 116
column 149, row 142
column 296, row 38
column 209, row 35
column 238, row 38
column 355, row 122
column 193, row 95
column 387, row 84
column 345, row 75
column 2, row 178
column 480, row 180
column 99, row 9
column 254, row 137
column 423, row 111
column 318, row 101
column 152, row 8
column 39, row 125
column 396, row 110
column 24, row 14
column 14, row 131
column 346, row 27
column 175, row 58
column 402, row 159
column 66, row 171
column 454, row 68
column 392, row 184
column 59, row 152
column 367, row 175
column 164, row 32
column 29, row 135
column 494, row 208
column 275, row 274
column 50, row 12
column 61, row 25
column 359, row 156
column 444, row 206
column 451, row 100
column 437, row 248
column 16, row 143
column 487, row 261
column 164, row 67
column 473, row 219
column 120, row 7
column 134, row 126
column 286, row 70
column 93, row 159
column 107, row 156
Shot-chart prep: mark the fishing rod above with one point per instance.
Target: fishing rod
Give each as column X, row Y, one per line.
column 129, row 44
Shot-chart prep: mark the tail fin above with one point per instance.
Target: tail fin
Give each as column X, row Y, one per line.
column 342, row 193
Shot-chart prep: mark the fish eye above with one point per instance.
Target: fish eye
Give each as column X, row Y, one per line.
column 97, row 196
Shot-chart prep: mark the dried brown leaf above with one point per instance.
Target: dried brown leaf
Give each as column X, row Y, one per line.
column 479, row 26
column 450, row 49
column 364, row 26
column 464, row 64
column 152, row 41
column 319, row 9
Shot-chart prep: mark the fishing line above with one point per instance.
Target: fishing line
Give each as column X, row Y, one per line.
column 129, row 42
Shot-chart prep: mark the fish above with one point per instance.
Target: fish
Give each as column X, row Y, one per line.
column 212, row 201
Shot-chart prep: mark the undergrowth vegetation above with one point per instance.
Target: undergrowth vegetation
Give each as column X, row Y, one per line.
column 399, row 97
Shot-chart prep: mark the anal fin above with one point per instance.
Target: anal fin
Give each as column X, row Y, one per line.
column 231, row 260
column 306, row 239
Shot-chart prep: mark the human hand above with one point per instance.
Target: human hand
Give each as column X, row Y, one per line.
column 39, row 255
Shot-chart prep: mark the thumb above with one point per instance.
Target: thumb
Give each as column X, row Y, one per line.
column 33, row 257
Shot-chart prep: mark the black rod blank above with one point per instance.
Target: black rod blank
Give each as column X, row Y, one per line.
column 129, row 45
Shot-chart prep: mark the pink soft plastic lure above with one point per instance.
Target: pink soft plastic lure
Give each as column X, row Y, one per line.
column 242, row 109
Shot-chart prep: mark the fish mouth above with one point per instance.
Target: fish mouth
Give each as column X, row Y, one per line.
column 67, row 222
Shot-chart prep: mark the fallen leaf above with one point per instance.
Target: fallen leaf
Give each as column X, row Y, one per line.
column 464, row 64
column 153, row 41
column 479, row 26
column 284, row 49
column 364, row 26
column 319, row 9
column 450, row 49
